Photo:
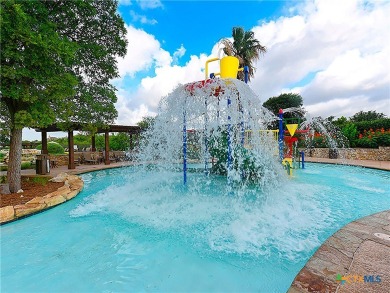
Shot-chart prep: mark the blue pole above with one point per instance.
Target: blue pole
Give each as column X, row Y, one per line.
column 206, row 149
column 184, row 148
column 242, row 125
column 229, row 139
column 303, row 159
column 281, row 135
column 246, row 72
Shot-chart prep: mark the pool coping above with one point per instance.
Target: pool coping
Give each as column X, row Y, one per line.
column 350, row 254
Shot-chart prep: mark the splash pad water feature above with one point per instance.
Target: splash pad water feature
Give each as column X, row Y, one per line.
column 218, row 122
column 141, row 229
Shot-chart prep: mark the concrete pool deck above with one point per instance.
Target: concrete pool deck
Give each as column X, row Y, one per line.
column 381, row 165
column 356, row 258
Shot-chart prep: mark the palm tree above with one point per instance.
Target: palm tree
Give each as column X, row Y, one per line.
column 246, row 48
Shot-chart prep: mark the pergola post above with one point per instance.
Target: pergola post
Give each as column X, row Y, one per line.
column 131, row 142
column 44, row 143
column 71, row 164
column 106, row 148
column 93, row 142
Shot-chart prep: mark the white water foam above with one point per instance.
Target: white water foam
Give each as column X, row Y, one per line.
column 286, row 221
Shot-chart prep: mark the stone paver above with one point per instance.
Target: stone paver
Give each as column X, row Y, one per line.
column 373, row 261
column 353, row 254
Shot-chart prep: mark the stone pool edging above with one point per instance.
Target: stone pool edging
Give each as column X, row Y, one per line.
column 72, row 186
column 354, row 250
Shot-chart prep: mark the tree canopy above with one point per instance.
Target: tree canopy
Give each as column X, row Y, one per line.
column 367, row 116
column 146, row 122
column 246, row 48
column 285, row 101
column 56, row 64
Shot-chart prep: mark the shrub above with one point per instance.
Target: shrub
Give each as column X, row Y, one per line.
column 373, row 124
column 40, row 180
column 53, row 148
column 373, row 139
column 24, row 166
column 350, row 132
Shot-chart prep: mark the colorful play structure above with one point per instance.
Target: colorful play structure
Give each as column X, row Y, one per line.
column 290, row 159
column 287, row 142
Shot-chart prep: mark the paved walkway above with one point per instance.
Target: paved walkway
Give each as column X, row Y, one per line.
column 78, row 170
column 354, row 259
column 383, row 165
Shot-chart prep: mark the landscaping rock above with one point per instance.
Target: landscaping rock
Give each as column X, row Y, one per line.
column 72, row 186
column 7, row 214
column 60, row 177
column 28, row 208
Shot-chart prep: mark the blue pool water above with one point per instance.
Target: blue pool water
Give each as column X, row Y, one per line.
column 131, row 230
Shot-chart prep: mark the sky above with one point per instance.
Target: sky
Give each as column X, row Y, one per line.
column 335, row 54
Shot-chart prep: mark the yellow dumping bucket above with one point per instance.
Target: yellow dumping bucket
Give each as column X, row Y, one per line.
column 228, row 67
column 292, row 128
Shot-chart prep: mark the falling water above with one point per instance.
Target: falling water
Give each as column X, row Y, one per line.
column 218, row 124
column 333, row 137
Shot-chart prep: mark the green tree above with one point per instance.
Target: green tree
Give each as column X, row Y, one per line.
column 367, row 116
column 341, row 122
column 246, row 48
column 57, row 59
column 146, row 122
column 349, row 130
column 285, row 101
column 35, row 73
column 53, row 148
column 100, row 34
column 120, row 142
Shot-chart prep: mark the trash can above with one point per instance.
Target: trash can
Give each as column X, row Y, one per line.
column 42, row 164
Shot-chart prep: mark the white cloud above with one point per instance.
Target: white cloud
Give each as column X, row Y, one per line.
column 343, row 46
column 345, row 43
column 142, row 18
column 149, row 4
column 146, row 53
column 125, row 2
column 179, row 53
column 143, row 51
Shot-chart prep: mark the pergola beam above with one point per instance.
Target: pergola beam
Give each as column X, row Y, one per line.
column 80, row 127
column 131, row 130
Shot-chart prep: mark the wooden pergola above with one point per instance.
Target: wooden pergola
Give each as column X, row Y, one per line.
column 131, row 130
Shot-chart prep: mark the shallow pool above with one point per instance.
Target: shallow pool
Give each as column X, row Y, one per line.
column 131, row 230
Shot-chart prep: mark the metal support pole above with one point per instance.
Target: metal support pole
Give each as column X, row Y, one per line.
column 303, row 159
column 184, row 148
column 281, row 136
column 246, row 72
column 229, row 140
column 242, row 138
column 206, row 149
column 242, row 125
